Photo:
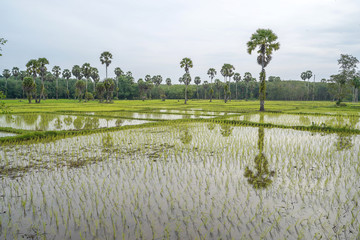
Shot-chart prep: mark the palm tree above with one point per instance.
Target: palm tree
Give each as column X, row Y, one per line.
column 109, row 88
column 56, row 71
column 205, row 86
column 95, row 77
column 29, row 87
column 247, row 78
column 105, row 58
column 15, row 72
column 218, row 86
column 32, row 68
column 303, row 77
column 186, row 63
column 6, row 73
column 22, row 75
column 308, row 76
column 80, row 85
column 211, row 72
column 86, row 72
column 42, row 71
column 76, row 71
column 265, row 40
column 197, row 81
column 237, row 78
column 186, row 79
column 168, row 81
column 227, row 71
column 118, row 72
column 67, row 75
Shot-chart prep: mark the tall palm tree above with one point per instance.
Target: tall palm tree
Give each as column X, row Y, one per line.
column 118, row 72
column 105, row 58
column 197, row 81
column 247, row 78
column 67, row 75
column 86, row 72
column 265, row 40
column 303, row 77
column 42, row 71
column 32, row 68
column 211, row 72
column 186, row 79
column 186, row 63
column 237, row 78
column 56, row 71
column 6, row 73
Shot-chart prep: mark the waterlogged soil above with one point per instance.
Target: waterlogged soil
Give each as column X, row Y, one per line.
column 351, row 122
column 53, row 122
column 195, row 181
column 152, row 116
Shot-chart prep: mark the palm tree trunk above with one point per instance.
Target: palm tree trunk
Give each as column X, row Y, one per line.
column 262, row 83
column 356, row 94
column 185, row 93
column 67, row 88
column 236, row 91
column 106, row 71
column 57, row 89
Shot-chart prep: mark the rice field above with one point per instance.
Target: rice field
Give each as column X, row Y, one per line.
column 184, row 179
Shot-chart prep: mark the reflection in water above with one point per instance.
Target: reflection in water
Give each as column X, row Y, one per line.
column 119, row 122
column 185, row 136
column 263, row 177
column 226, row 130
column 79, row 122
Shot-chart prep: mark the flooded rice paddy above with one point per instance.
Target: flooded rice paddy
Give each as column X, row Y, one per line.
column 53, row 122
column 351, row 121
column 187, row 181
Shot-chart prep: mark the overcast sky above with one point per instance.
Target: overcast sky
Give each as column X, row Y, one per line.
column 152, row 36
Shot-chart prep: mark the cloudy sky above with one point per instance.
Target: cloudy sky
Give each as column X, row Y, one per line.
column 152, row 36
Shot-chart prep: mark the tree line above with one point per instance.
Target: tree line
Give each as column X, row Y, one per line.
column 83, row 82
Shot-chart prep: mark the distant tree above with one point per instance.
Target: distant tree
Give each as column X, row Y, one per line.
column 227, row 72
column 67, row 75
column 218, row 85
column 237, row 78
column 205, row 86
column 149, row 85
column 109, row 89
column 22, row 75
column 56, row 71
column 355, row 83
column 76, row 71
column 142, row 88
column 247, row 79
column 100, row 90
column 80, row 87
column 337, row 85
column 348, row 66
column 186, row 63
column 2, row 42
column 308, row 76
column 15, row 72
column 168, row 81
column 105, row 58
column 7, row 74
column 211, row 72
column 197, row 81
column 29, row 87
column 42, row 72
column 86, row 72
column 95, row 76
column 118, row 72
column 186, row 80
column 265, row 40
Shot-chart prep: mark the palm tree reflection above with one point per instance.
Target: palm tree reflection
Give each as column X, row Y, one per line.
column 263, row 177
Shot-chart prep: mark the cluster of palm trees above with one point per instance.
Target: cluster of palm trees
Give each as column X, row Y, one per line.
column 38, row 68
column 265, row 41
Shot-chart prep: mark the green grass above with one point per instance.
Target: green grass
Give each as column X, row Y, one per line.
column 64, row 105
